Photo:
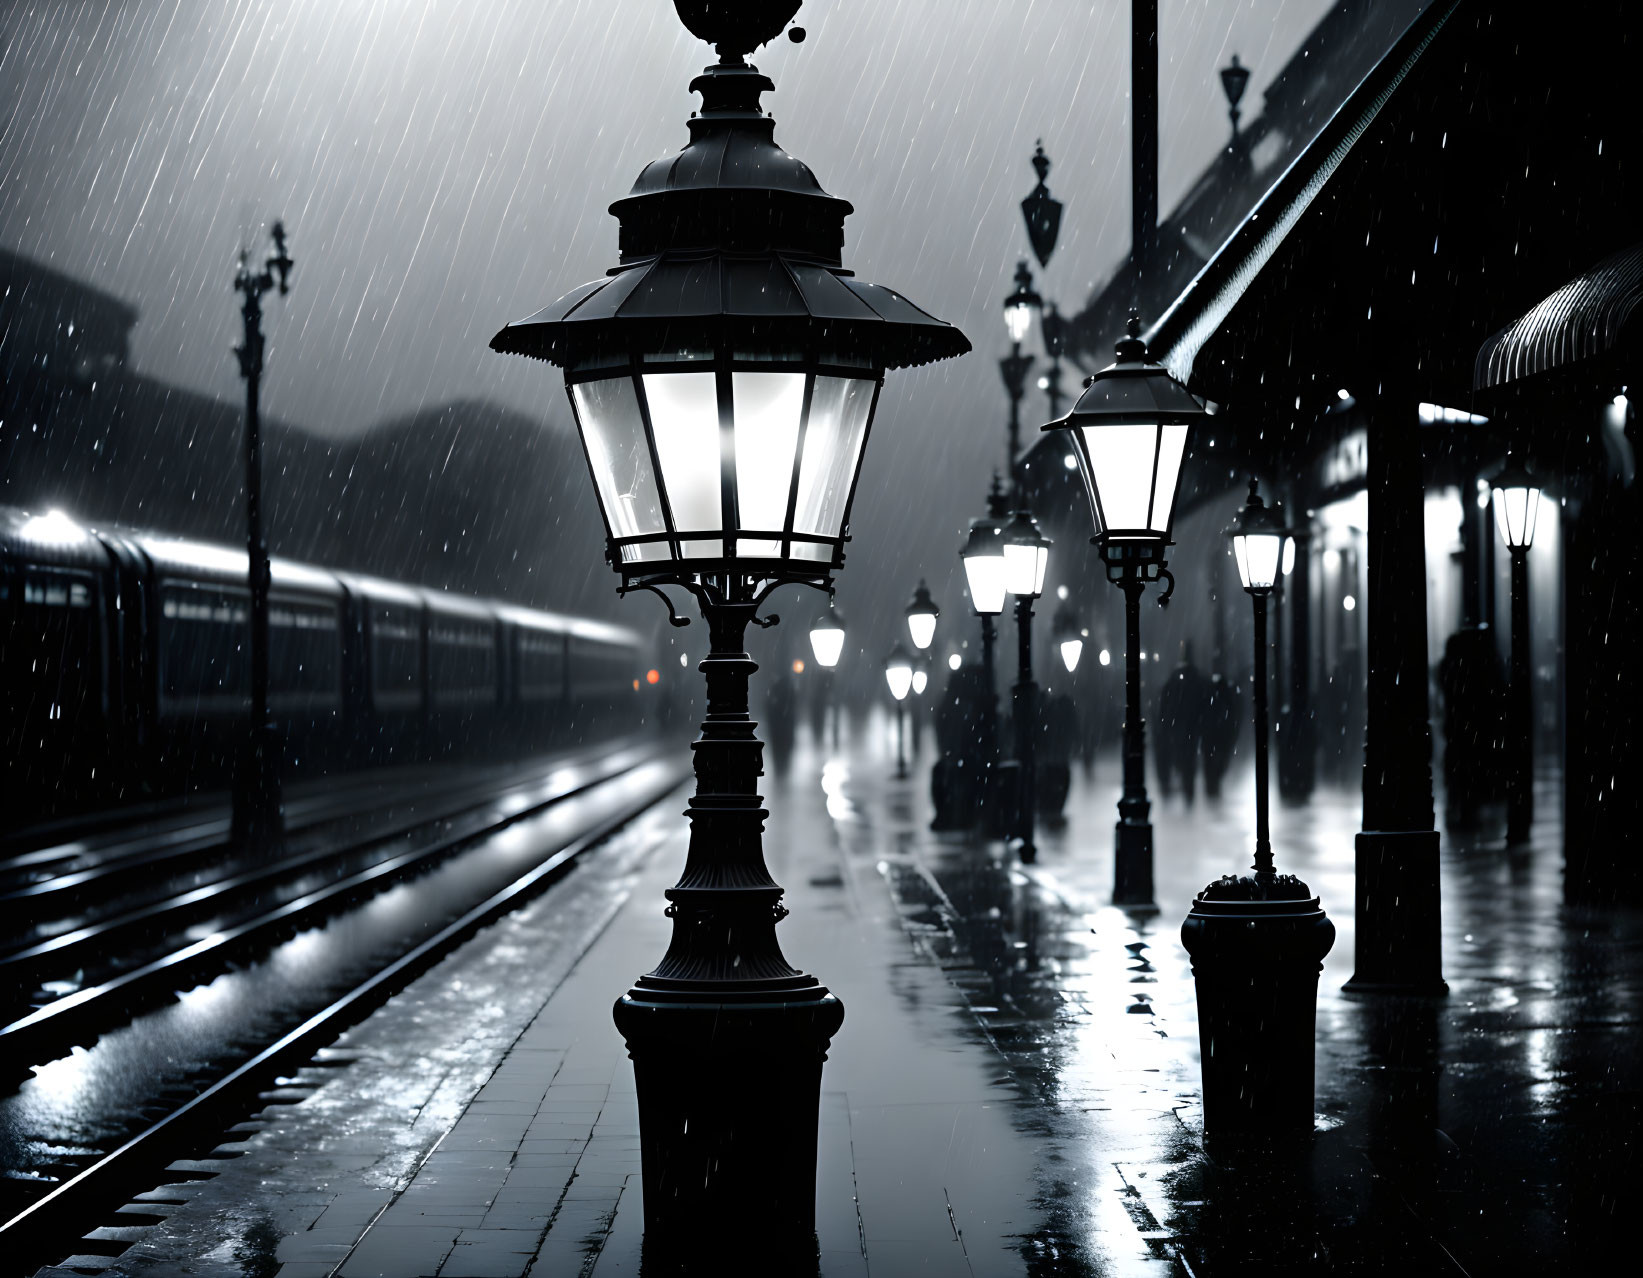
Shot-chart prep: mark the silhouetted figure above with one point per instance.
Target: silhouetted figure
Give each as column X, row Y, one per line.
column 1058, row 738
column 1182, row 705
column 1474, row 698
column 1222, row 723
column 780, row 718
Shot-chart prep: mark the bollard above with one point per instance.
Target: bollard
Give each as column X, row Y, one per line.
column 1257, row 943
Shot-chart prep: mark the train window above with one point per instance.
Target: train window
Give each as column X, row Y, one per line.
column 462, row 660
column 51, row 650
column 396, row 659
column 304, row 656
column 541, row 666
column 204, row 664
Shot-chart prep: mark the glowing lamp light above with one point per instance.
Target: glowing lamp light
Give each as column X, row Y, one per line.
column 921, row 680
column 653, row 677
column 983, row 557
column 827, row 638
column 1020, row 305
column 954, row 661
column 1258, row 537
column 921, row 617
column 1071, row 651
column 1128, row 432
column 898, row 672
column 798, row 665
column 1104, row 657
column 1026, row 556
column 1517, row 505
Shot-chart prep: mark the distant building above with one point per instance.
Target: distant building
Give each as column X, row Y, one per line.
column 58, row 327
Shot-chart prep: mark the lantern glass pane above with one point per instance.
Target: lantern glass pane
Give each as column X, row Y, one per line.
column 1258, row 556
column 608, row 414
column 684, row 418
column 1120, row 460
column 1018, row 318
column 900, row 679
column 922, row 626
column 1172, row 444
column 827, row 642
column 1071, row 651
column 1516, row 510
column 1024, row 568
column 839, row 409
column 768, row 406
column 985, row 577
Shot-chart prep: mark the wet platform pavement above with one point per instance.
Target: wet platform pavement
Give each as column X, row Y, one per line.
column 1015, row 1089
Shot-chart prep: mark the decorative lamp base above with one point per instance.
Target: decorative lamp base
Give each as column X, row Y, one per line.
column 729, row 1089
column 1255, row 964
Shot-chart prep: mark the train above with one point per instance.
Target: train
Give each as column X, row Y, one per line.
column 124, row 670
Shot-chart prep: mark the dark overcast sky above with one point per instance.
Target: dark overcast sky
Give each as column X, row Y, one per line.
column 445, row 166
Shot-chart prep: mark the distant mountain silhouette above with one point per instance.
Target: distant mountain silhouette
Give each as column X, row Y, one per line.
column 466, row 496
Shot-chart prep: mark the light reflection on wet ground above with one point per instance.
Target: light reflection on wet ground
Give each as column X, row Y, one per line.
column 1457, row 1135
column 86, row 1102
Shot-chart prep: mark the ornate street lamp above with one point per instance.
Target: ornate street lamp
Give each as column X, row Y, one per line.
column 1019, row 308
column 1026, row 557
column 259, row 805
column 921, row 617
column 1258, row 940
column 1068, row 632
column 723, row 378
column 1258, row 539
column 898, row 675
column 1129, row 434
column 1517, row 506
column 827, row 637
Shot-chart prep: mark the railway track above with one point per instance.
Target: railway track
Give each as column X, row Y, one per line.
column 81, row 1190
column 114, row 928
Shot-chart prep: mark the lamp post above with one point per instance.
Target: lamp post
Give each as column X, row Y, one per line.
column 259, row 807
column 983, row 558
column 723, row 379
column 1019, row 308
column 898, row 674
column 1258, row 940
column 1026, row 556
column 1129, row 434
column 1517, row 504
column 1258, row 540
column 922, row 615
column 1068, row 632
column 827, row 646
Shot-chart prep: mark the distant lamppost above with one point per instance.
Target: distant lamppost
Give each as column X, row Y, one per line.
column 1026, row 556
column 259, row 807
column 1517, row 505
column 898, row 674
column 1258, row 541
column 1054, row 328
column 1067, row 632
column 983, row 558
column 922, row 614
column 1129, row 434
column 1258, row 940
column 723, row 378
column 1234, row 80
column 1019, row 308
column 827, row 637
column 827, row 646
